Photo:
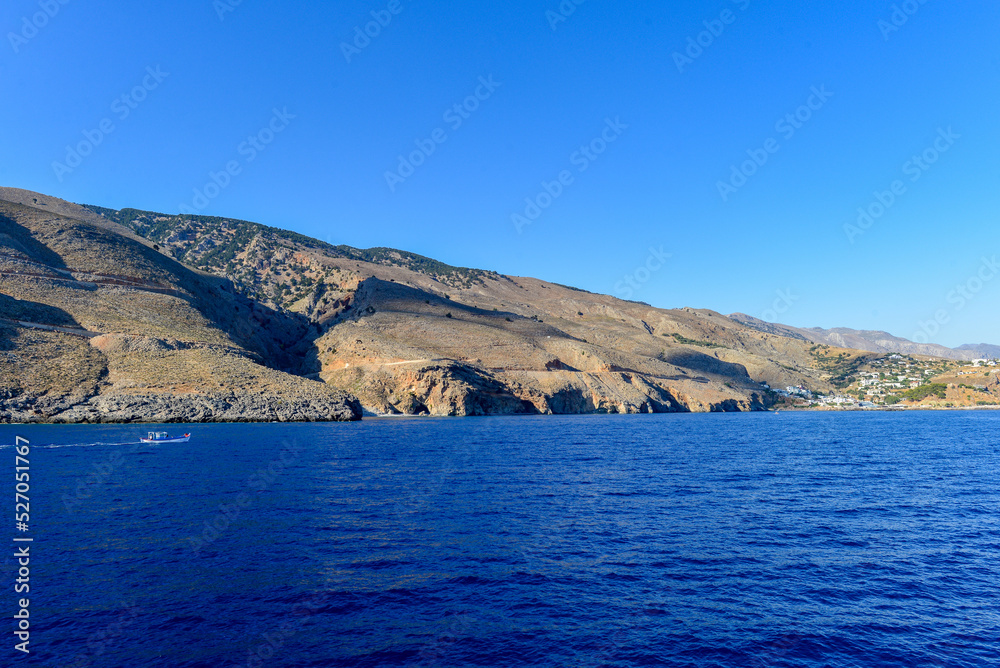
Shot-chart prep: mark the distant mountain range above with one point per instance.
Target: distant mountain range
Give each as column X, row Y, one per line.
column 870, row 340
column 981, row 350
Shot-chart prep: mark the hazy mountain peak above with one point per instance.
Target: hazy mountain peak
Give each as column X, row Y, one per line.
column 869, row 340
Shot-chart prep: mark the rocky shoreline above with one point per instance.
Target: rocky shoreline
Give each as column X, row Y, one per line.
column 184, row 408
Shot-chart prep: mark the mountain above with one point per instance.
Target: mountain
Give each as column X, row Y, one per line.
column 122, row 315
column 981, row 350
column 868, row 340
column 97, row 326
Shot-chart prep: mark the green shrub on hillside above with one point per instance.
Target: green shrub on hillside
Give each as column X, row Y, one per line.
column 694, row 342
column 920, row 393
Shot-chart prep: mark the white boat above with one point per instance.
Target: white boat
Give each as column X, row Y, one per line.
column 164, row 437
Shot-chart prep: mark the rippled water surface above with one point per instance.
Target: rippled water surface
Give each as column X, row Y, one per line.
column 809, row 539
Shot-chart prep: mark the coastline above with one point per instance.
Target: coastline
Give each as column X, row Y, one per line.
column 96, row 419
column 887, row 409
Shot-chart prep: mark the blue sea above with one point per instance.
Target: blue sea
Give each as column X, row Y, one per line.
column 792, row 539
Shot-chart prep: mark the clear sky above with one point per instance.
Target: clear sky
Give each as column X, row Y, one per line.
column 634, row 114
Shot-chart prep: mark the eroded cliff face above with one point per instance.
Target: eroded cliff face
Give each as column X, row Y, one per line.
column 436, row 389
column 458, row 390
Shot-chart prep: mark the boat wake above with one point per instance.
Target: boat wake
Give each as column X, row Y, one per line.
column 49, row 446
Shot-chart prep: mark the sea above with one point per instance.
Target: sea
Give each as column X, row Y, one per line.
column 793, row 539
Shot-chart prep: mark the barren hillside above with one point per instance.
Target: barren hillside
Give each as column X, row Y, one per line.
column 95, row 325
column 146, row 307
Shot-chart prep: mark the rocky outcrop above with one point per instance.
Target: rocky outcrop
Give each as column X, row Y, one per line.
column 174, row 408
column 451, row 390
column 455, row 389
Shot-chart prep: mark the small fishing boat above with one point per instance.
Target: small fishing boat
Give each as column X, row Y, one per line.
column 164, row 437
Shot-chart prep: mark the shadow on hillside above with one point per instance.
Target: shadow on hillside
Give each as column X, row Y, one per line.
column 19, row 238
column 7, row 333
column 407, row 299
column 695, row 361
column 279, row 340
column 27, row 311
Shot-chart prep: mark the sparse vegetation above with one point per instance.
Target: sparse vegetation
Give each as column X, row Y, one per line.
column 693, row 342
column 842, row 367
column 237, row 249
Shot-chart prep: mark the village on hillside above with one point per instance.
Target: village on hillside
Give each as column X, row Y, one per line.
column 902, row 381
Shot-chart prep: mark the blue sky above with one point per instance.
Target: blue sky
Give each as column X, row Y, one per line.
column 642, row 138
